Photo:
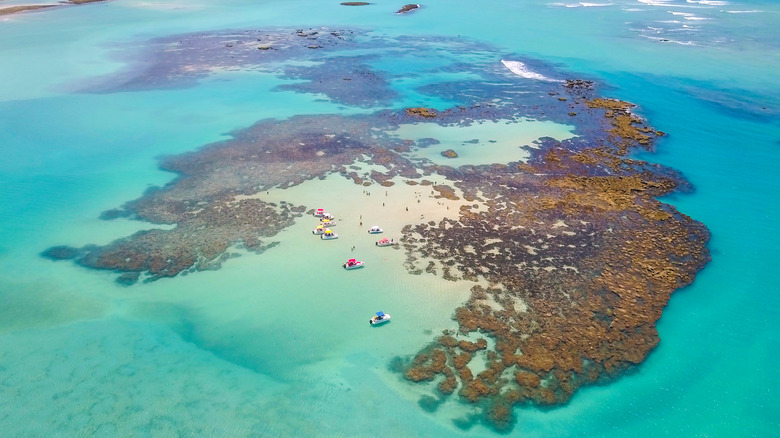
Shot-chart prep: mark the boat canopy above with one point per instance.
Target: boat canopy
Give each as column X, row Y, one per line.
column 380, row 314
column 351, row 261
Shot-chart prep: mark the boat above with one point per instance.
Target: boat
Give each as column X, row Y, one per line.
column 319, row 212
column 329, row 235
column 326, row 216
column 385, row 242
column 353, row 264
column 328, row 222
column 379, row 318
column 375, row 230
column 319, row 230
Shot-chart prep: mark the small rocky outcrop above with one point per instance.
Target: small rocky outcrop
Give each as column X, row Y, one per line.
column 407, row 8
column 427, row 113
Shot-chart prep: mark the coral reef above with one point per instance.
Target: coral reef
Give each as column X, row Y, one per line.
column 580, row 258
column 575, row 256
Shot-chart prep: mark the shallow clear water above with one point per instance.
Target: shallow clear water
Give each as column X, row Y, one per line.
column 256, row 347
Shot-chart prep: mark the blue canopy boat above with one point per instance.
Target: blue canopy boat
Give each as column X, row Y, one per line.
column 380, row 318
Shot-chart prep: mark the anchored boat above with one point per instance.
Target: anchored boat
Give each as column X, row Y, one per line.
column 375, row 230
column 379, row 318
column 353, row 264
column 319, row 212
column 385, row 242
column 329, row 235
column 319, row 230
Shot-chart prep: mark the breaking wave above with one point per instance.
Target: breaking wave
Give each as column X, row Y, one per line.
column 520, row 69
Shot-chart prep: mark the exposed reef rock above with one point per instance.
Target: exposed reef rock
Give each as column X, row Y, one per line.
column 355, row 3
column 422, row 112
column 407, row 8
column 626, row 127
column 25, row 8
column 28, row 8
column 449, row 153
column 578, row 84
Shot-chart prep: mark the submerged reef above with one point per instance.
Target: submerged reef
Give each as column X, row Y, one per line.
column 569, row 255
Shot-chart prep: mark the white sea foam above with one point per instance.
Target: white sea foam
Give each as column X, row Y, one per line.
column 672, row 4
column 688, row 16
column 743, row 12
column 656, row 2
column 580, row 5
column 708, row 2
column 520, row 69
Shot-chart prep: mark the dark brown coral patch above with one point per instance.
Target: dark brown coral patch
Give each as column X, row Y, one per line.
column 448, row 385
column 527, row 380
column 471, row 347
column 445, row 191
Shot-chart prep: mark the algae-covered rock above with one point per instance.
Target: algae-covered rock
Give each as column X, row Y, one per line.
column 407, row 8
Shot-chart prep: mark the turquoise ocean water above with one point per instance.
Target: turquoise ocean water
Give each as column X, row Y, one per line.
column 257, row 349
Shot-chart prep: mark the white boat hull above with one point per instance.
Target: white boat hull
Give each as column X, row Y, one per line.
column 357, row 265
column 376, row 321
